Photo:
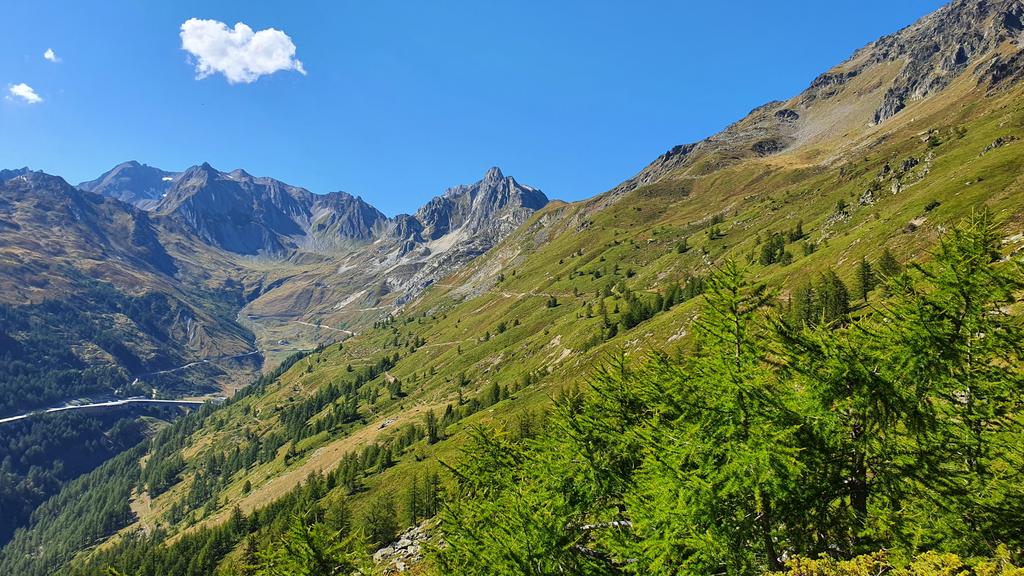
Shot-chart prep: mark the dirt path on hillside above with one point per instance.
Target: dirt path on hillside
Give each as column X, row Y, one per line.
column 349, row 332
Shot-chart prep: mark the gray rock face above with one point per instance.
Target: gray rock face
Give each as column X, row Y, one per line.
column 262, row 216
column 132, row 182
column 452, row 229
column 342, row 215
column 939, row 47
column 237, row 212
column 496, row 204
column 7, row 174
column 402, row 555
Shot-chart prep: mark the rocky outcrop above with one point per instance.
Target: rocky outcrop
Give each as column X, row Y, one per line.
column 400, row 556
column 7, row 174
column 132, row 182
column 767, row 147
column 941, row 46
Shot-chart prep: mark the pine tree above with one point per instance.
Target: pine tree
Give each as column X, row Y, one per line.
column 249, row 561
column 338, row 517
column 413, row 499
column 803, row 308
column 865, row 279
column 953, row 334
column 381, row 520
column 888, row 266
column 433, row 432
column 313, row 551
column 718, row 496
column 833, row 298
column 237, row 522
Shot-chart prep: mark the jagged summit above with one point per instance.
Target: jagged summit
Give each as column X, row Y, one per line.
column 495, row 201
column 494, row 173
column 263, row 216
column 7, row 174
column 252, row 215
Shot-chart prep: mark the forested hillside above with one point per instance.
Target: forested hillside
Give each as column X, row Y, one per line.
column 775, row 436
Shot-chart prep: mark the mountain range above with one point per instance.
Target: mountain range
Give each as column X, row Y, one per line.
column 490, row 300
column 213, row 243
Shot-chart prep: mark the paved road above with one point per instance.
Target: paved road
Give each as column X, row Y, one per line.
column 99, row 406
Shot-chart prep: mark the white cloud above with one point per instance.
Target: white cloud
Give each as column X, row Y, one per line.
column 240, row 54
column 25, row 92
column 51, row 55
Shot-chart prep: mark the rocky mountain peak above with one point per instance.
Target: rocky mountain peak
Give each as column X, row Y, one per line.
column 240, row 174
column 493, row 175
column 201, row 173
column 132, row 182
column 7, row 174
column 981, row 37
column 944, row 44
column 495, row 202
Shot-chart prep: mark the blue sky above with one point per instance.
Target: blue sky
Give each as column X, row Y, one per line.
column 400, row 100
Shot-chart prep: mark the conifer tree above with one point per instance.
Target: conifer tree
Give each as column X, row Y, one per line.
column 865, row 279
column 803, row 309
column 833, row 298
column 888, row 266
column 718, row 485
column 433, row 431
column 952, row 333
column 413, row 501
column 307, row 550
column 381, row 520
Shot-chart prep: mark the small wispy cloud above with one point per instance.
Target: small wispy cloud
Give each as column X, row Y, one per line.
column 238, row 53
column 25, row 92
column 51, row 55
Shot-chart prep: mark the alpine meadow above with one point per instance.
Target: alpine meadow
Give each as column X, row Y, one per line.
column 793, row 347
